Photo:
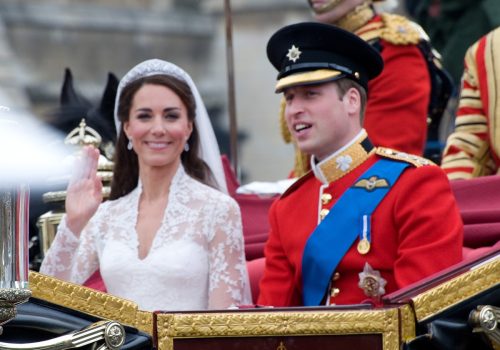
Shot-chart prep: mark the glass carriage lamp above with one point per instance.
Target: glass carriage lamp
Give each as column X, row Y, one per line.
column 14, row 209
column 27, row 156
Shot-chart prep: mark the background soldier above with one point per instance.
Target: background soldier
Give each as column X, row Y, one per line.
column 473, row 149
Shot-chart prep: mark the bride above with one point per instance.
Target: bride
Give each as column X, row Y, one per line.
column 168, row 238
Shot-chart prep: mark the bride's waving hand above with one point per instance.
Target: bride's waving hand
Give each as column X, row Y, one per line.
column 84, row 192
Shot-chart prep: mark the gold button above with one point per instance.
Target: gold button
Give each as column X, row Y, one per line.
column 336, row 276
column 323, row 213
column 326, row 198
column 334, row 292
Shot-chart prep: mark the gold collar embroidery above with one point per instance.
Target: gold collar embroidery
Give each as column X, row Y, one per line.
column 339, row 165
column 357, row 18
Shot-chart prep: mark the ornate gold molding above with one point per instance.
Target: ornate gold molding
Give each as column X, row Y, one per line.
column 478, row 279
column 408, row 323
column 239, row 323
column 90, row 301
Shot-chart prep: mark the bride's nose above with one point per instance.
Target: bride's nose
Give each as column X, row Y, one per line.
column 158, row 126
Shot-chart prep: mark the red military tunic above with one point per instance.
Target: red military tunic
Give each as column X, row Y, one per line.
column 415, row 231
column 473, row 149
column 398, row 99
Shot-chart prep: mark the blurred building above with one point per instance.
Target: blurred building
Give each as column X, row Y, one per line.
column 39, row 38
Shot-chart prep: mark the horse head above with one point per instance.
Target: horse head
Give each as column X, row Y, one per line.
column 73, row 107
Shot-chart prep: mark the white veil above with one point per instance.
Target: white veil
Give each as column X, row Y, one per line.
column 209, row 149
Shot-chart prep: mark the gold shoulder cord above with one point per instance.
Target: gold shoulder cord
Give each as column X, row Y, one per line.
column 409, row 158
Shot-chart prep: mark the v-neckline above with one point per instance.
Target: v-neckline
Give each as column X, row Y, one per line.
column 158, row 231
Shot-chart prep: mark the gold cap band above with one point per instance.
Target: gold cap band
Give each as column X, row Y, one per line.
column 311, row 77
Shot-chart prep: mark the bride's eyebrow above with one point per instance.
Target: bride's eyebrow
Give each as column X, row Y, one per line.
column 143, row 109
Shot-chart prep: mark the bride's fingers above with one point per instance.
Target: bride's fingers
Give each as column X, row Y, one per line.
column 98, row 184
column 85, row 165
column 78, row 168
column 94, row 161
column 91, row 156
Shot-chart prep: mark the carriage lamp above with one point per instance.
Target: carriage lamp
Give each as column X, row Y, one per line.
column 14, row 208
column 26, row 159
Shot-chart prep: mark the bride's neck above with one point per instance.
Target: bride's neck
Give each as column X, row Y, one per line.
column 156, row 182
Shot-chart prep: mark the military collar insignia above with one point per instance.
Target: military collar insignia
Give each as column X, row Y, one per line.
column 342, row 163
column 372, row 183
column 371, row 282
column 356, row 18
column 293, row 53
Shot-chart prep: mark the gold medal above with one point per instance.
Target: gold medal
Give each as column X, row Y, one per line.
column 363, row 246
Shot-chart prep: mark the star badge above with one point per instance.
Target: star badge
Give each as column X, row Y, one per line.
column 371, row 282
column 293, row 53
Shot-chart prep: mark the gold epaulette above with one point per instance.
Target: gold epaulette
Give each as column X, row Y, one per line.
column 395, row 29
column 399, row 30
column 414, row 160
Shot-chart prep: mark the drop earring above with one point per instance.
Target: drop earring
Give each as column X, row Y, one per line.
column 186, row 147
column 129, row 145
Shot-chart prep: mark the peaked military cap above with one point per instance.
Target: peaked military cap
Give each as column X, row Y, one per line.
column 311, row 53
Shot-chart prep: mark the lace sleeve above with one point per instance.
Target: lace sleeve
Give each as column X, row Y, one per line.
column 69, row 258
column 229, row 283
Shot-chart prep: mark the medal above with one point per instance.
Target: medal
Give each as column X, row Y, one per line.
column 364, row 238
column 363, row 246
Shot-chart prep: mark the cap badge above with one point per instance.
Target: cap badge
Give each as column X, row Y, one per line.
column 372, row 183
column 293, row 53
column 344, row 162
column 372, row 282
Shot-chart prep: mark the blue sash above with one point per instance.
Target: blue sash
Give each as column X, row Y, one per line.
column 333, row 237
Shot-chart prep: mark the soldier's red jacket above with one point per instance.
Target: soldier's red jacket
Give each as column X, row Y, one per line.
column 416, row 230
column 398, row 99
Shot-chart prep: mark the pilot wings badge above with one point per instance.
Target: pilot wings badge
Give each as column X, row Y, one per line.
column 372, row 183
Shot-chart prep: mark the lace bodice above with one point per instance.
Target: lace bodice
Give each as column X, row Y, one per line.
column 196, row 260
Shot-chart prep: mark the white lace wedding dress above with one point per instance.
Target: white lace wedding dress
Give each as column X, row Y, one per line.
column 196, row 260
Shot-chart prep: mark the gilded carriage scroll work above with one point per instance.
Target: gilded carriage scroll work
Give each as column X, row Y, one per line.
column 89, row 301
